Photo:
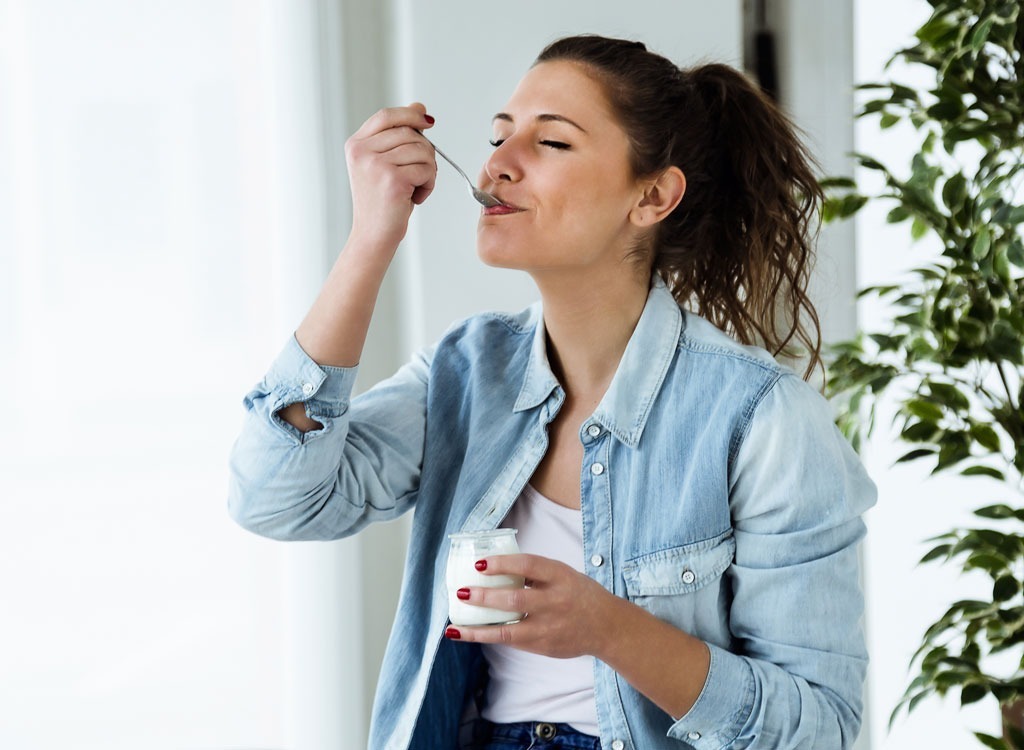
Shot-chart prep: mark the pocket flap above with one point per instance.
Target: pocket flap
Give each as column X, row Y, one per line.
column 679, row 570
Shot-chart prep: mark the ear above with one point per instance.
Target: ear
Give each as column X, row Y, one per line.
column 660, row 197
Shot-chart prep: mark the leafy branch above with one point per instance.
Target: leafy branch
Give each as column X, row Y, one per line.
column 951, row 357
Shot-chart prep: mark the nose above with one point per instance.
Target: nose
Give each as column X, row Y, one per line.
column 503, row 165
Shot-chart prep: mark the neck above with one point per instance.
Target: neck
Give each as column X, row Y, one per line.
column 588, row 324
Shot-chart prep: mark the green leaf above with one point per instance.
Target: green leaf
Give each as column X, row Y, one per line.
column 972, row 694
column 918, row 229
column 1015, row 254
column 985, row 561
column 915, row 454
column 1005, row 588
column 837, row 182
column 850, row 204
column 989, row 741
column 995, row 511
column 925, row 410
column 869, row 163
column 984, row 471
column 1001, row 265
column 936, row 552
column 985, row 435
column 888, row 120
column 981, row 243
column 919, row 432
column 946, row 110
column 980, row 35
column 953, row 448
column 954, row 192
column 936, row 27
column 949, row 394
column 898, row 214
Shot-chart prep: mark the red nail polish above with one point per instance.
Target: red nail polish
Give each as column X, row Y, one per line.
column 480, row 565
column 429, row 119
column 462, row 594
column 452, row 633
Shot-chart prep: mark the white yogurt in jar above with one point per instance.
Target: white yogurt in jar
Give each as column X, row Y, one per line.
column 466, row 549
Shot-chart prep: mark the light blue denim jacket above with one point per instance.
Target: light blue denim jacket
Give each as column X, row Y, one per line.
column 716, row 493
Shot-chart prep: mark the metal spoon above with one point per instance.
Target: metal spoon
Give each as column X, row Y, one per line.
column 482, row 197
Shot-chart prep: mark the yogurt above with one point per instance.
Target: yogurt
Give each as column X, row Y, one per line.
column 465, row 550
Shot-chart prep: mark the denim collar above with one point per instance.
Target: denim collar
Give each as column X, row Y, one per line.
column 626, row 404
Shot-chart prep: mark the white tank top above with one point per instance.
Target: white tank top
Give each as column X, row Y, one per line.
column 531, row 687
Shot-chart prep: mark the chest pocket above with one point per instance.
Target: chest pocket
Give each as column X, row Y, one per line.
column 683, row 585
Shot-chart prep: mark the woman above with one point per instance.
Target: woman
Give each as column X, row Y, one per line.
column 688, row 514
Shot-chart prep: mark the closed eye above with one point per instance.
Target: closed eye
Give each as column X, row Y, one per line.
column 550, row 144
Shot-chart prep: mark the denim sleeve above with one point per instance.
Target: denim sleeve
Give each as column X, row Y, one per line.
column 795, row 674
column 362, row 466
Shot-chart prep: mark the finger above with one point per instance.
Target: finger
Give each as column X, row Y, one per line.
column 505, row 599
column 408, row 154
column 422, row 192
column 392, row 138
column 533, row 567
column 509, row 635
column 413, row 116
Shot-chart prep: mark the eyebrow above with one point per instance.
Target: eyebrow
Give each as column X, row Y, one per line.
column 542, row 118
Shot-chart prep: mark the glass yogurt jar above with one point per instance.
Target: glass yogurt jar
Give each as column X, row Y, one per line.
column 466, row 549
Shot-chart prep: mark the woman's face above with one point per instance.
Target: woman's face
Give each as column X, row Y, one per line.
column 562, row 161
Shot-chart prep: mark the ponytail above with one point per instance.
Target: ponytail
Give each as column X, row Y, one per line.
column 738, row 249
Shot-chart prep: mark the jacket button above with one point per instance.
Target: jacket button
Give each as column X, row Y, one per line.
column 597, row 561
column 307, row 389
column 618, row 745
column 688, row 577
column 593, row 430
column 597, row 469
column 693, row 736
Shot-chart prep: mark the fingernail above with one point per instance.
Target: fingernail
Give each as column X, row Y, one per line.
column 480, row 565
column 452, row 633
column 462, row 594
column 429, row 119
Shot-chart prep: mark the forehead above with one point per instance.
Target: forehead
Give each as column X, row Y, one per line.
column 564, row 88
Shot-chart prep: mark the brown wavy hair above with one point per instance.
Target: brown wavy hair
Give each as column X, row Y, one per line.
column 739, row 247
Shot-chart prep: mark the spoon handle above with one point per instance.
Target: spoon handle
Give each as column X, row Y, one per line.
column 444, row 156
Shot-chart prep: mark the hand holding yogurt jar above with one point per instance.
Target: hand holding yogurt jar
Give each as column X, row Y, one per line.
column 467, row 549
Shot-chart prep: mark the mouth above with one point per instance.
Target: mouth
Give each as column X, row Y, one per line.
column 504, row 208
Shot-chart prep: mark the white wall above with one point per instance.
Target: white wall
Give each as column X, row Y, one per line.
column 139, row 170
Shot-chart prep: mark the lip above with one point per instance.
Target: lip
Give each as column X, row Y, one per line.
column 502, row 210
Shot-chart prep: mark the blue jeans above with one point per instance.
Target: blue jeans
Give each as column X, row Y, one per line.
column 526, row 735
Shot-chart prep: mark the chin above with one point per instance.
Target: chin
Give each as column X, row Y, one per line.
column 497, row 252
column 495, row 258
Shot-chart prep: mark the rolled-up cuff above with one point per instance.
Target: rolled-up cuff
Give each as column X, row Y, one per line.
column 723, row 706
